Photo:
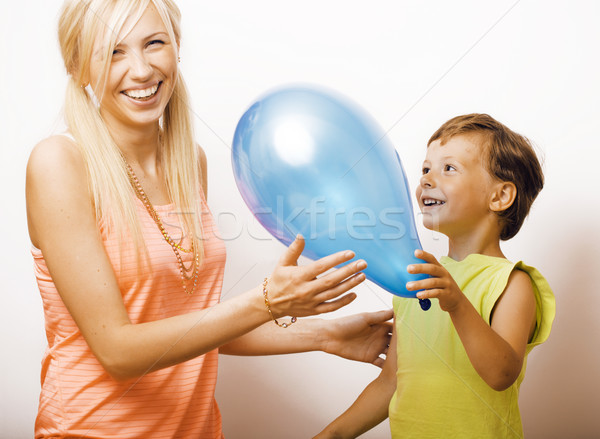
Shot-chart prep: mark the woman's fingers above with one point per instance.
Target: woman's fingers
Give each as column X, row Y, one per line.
column 334, row 305
column 340, row 288
column 302, row 291
column 293, row 252
column 383, row 316
column 330, row 280
column 320, row 266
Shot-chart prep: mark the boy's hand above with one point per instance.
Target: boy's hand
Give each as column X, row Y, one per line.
column 439, row 286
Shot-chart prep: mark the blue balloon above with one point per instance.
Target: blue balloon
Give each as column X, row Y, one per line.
column 307, row 160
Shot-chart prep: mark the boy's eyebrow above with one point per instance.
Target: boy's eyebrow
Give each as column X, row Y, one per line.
column 452, row 158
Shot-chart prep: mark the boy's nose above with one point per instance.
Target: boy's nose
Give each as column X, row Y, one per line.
column 427, row 180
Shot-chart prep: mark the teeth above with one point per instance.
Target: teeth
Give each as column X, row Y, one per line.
column 142, row 94
column 431, row 202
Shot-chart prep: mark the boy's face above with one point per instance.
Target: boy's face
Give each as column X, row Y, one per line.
column 454, row 191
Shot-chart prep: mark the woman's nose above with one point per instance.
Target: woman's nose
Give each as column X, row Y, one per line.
column 140, row 68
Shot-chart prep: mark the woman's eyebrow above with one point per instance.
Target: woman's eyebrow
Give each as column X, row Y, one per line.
column 155, row 34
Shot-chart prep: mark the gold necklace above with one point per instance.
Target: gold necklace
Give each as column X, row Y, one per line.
column 187, row 273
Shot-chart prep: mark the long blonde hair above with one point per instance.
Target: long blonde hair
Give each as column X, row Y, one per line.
column 81, row 23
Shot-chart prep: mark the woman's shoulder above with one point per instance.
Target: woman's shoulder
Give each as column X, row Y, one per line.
column 54, row 156
column 56, row 162
column 62, row 144
column 56, row 185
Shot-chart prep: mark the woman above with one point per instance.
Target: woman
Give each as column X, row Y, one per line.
column 131, row 286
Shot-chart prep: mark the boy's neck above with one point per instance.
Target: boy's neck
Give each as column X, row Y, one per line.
column 461, row 247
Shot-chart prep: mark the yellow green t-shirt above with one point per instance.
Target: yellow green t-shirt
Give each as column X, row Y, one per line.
column 439, row 394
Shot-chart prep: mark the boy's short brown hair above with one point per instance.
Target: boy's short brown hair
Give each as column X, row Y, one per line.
column 510, row 158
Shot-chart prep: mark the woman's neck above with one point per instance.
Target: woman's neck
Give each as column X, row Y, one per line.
column 139, row 146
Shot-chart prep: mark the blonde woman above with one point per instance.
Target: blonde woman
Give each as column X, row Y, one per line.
column 131, row 289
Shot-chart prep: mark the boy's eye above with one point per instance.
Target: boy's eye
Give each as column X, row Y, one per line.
column 425, row 171
column 449, row 168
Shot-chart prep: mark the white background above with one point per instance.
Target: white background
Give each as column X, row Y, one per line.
column 411, row 64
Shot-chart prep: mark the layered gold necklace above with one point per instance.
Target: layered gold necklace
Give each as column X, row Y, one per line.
column 189, row 275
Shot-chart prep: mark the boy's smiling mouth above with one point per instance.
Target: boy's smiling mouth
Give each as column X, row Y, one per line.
column 432, row 202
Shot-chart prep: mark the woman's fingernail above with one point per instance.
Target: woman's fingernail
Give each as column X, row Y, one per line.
column 409, row 285
column 349, row 254
column 361, row 265
column 410, row 268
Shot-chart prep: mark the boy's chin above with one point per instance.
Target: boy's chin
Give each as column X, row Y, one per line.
column 430, row 222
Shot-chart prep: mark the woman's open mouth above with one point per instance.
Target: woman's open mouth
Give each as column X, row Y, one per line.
column 144, row 94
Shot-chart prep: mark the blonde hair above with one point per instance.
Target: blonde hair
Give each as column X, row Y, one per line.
column 81, row 23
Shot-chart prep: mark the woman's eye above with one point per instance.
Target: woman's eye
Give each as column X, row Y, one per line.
column 154, row 42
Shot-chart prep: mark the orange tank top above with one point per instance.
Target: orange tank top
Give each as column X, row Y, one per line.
column 79, row 398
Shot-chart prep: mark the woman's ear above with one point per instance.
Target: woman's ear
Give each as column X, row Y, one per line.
column 82, row 77
column 503, row 196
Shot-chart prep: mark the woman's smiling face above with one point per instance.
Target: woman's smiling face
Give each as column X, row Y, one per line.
column 142, row 74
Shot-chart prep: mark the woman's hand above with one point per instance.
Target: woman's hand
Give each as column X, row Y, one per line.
column 297, row 291
column 439, row 286
column 360, row 337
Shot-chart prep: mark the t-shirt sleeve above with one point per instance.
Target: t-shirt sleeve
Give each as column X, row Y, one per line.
column 545, row 305
column 544, row 298
column 495, row 290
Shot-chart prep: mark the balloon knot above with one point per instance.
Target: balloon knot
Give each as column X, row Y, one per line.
column 425, row 304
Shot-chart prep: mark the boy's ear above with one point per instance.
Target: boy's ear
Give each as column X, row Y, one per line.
column 503, row 196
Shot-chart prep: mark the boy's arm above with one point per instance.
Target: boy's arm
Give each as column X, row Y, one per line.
column 497, row 351
column 371, row 406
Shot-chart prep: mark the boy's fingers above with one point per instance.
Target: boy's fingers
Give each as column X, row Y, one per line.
column 429, row 294
column 427, row 257
column 430, row 269
column 379, row 362
column 425, row 284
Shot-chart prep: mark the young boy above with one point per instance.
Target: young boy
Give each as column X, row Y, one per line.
column 455, row 370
